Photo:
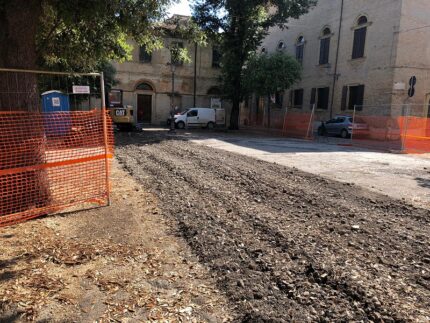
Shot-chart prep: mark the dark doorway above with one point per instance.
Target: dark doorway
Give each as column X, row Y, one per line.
column 428, row 110
column 144, row 108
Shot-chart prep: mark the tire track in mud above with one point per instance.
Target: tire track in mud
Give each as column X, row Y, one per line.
column 350, row 291
column 408, row 212
column 316, row 214
column 263, row 244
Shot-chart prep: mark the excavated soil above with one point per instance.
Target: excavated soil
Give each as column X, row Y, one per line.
column 284, row 245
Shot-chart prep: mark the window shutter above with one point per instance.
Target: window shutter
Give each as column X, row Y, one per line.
column 324, row 51
column 359, row 42
column 298, row 98
column 291, row 98
column 313, row 96
column 299, row 53
column 344, row 98
column 326, row 97
column 323, row 96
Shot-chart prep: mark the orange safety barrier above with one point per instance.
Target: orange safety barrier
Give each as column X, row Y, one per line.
column 416, row 137
column 403, row 134
column 52, row 161
column 298, row 125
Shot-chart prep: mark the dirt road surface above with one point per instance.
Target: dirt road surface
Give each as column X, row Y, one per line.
column 116, row 264
column 284, row 245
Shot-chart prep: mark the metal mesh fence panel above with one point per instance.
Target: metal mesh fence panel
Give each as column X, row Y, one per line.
column 401, row 128
column 299, row 123
column 54, row 154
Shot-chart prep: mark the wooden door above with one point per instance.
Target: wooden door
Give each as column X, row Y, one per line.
column 144, row 108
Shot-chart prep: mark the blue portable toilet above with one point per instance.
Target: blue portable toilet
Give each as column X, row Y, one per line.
column 56, row 108
column 55, row 101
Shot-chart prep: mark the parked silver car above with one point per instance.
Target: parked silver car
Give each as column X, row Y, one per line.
column 343, row 126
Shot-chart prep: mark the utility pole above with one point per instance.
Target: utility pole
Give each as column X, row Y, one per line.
column 336, row 75
column 172, row 99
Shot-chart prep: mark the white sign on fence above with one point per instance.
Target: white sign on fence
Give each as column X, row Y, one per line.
column 81, row 89
column 215, row 103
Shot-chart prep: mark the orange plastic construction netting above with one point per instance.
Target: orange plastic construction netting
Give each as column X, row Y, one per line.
column 403, row 134
column 298, row 125
column 52, row 161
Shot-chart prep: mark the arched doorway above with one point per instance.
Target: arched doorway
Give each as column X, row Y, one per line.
column 144, row 92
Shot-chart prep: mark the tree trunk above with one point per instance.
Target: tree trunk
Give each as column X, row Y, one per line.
column 19, row 22
column 234, row 116
column 22, row 141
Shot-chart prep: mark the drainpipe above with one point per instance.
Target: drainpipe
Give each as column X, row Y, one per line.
column 335, row 76
column 195, row 75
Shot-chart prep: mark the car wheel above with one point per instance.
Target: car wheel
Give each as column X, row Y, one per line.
column 210, row 125
column 180, row 125
column 344, row 134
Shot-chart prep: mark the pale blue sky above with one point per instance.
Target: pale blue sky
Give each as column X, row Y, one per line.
column 181, row 8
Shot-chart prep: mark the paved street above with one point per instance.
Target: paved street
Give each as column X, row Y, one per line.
column 399, row 176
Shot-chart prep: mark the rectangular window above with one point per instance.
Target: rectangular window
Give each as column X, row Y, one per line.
column 356, row 97
column 359, row 43
column 323, row 98
column 144, row 55
column 299, row 53
column 324, row 51
column 216, row 57
column 298, row 98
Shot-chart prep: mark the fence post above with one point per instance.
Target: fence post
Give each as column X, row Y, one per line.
column 311, row 126
column 105, row 134
column 407, row 111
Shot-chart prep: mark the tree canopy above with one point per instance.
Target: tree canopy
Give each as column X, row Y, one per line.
column 267, row 74
column 81, row 35
column 240, row 26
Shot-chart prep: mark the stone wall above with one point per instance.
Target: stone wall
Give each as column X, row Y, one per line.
column 413, row 54
column 375, row 70
column 158, row 74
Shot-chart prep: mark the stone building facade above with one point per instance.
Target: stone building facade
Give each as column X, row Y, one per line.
column 146, row 81
column 358, row 52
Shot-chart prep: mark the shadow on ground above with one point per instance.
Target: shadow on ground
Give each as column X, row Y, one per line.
column 268, row 144
column 423, row 182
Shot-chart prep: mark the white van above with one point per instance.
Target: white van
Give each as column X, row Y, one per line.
column 200, row 117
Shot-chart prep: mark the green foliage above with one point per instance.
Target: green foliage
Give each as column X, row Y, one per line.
column 79, row 34
column 182, row 28
column 270, row 73
column 240, row 26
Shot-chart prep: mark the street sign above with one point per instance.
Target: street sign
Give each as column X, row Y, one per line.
column 412, row 83
column 81, row 89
